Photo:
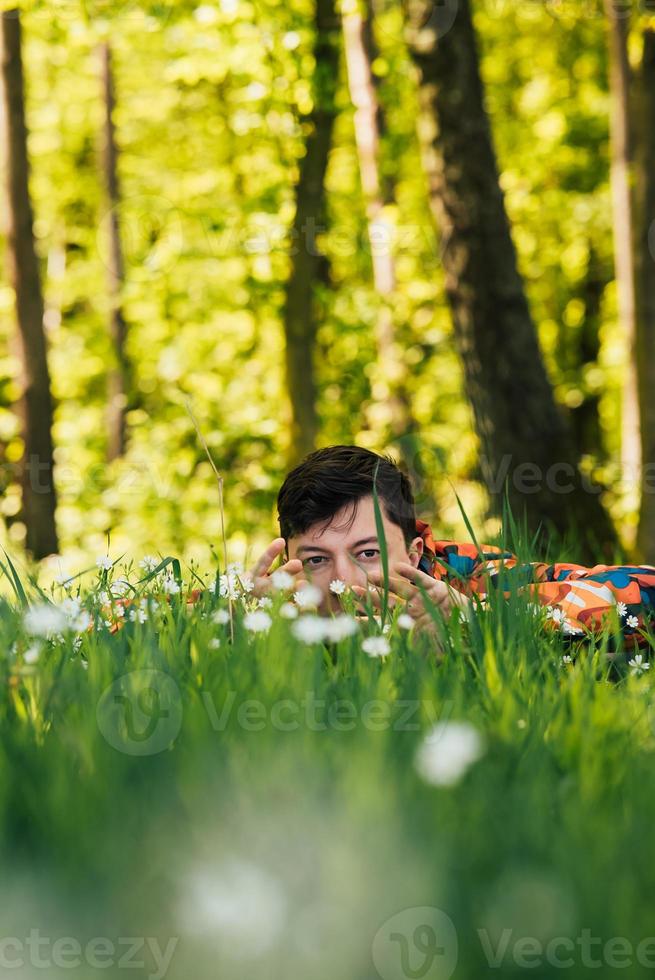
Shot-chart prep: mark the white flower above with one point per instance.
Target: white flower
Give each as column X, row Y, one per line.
column 138, row 615
column 556, row 614
column 119, row 586
column 566, row 660
column 289, row 611
column 265, row 602
column 214, row 643
column 632, row 622
column 447, row 751
column 104, row 563
column 45, row 620
column 337, row 586
column 340, row 628
column 310, row 595
column 309, row 629
column 281, row 580
column 32, row 654
column 571, row 630
column 258, row 621
column 376, row 646
column 235, row 568
column 221, row 617
column 149, row 563
column 638, row 664
column 170, row 586
column 621, row 608
column 405, row 621
column 234, row 586
column 63, row 579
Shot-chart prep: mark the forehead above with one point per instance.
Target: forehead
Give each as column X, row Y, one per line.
column 350, row 524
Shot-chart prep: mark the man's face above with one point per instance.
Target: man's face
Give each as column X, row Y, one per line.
column 348, row 549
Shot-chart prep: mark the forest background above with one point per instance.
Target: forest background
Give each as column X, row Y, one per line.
column 241, row 206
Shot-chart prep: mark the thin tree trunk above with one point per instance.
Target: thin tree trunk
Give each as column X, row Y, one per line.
column 306, row 262
column 118, row 380
column 618, row 16
column 523, row 435
column 360, row 50
column 645, row 290
column 39, row 500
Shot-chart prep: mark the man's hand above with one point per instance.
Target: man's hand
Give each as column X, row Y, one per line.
column 405, row 584
column 261, row 574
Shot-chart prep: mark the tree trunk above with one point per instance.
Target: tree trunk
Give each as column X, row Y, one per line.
column 118, row 380
column 524, row 438
column 37, row 478
column 299, row 313
column 645, row 290
column 618, row 17
column 369, row 124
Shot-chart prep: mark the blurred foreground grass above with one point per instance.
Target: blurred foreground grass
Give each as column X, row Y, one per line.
column 180, row 805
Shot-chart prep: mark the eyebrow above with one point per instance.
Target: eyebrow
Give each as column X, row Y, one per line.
column 357, row 544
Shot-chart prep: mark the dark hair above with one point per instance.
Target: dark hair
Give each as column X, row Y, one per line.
column 331, row 478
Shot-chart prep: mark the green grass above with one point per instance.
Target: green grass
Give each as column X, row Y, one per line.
column 277, row 819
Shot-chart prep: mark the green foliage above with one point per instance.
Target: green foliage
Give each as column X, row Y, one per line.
column 211, row 103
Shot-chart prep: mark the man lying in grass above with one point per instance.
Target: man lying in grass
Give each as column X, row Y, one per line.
column 329, row 537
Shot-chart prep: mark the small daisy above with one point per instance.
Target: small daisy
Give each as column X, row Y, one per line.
column 258, row 621
column 221, row 617
column 340, row 628
column 282, row 581
column 566, row 660
column 337, row 586
column 289, row 611
column 556, row 614
column 632, row 622
column 621, row 608
column 310, row 595
column 405, row 621
column 148, row 563
column 309, row 629
column 170, row 586
column 119, row 587
column 448, row 750
column 45, row 620
column 214, row 643
column 138, row 616
column 104, row 563
column 376, row 646
column 32, row 654
column 265, row 602
column 638, row 665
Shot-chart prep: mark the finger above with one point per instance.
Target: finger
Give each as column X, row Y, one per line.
column 375, row 595
column 292, row 567
column 415, row 575
column 399, row 586
column 274, row 549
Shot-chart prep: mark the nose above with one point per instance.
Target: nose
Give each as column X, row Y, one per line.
column 348, row 571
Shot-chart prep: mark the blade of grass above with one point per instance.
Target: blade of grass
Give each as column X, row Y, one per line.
column 219, row 480
column 382, row 541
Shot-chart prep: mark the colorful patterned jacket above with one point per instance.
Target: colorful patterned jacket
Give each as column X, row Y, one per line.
column 581, row 600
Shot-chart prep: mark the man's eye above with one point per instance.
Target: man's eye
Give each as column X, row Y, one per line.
column 370, row 554
column 314, row 560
